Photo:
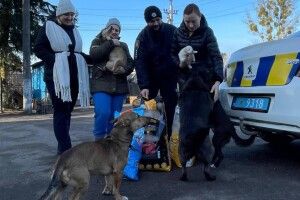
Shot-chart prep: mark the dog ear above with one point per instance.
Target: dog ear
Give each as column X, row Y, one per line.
column 126, row 122
column 121, row 122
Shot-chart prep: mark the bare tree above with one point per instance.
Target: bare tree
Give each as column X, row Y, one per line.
column 11, row 42
column 275, row 19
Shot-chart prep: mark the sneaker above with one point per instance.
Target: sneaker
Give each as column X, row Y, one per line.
column 190, row 162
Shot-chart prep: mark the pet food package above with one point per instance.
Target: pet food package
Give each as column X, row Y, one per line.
column 134, row 155
column 156, row 157
column 150, row 105
column 174, row 140
column 131, row 169
column 155, row 149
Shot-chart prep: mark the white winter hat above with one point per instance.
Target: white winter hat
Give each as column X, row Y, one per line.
column 64, row 6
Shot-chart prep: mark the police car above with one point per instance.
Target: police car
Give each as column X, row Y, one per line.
column 261, row 89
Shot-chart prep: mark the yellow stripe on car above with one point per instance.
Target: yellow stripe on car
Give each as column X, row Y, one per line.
column 246, row 82
column 281, row 69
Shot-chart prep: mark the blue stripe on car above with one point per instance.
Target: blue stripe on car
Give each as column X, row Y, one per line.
column 265, row 65
column 238, row 74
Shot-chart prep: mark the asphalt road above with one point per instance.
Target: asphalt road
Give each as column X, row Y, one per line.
column 259, row 172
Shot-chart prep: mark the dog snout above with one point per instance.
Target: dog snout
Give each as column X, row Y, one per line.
column 140, row 122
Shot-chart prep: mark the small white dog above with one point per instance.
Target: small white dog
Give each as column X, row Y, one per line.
column 186, row 57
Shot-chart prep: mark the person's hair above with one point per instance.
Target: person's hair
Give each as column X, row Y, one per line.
column 192, row 8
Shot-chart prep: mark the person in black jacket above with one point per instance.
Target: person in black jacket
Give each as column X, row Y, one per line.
column 199, row 79
column 59, row 46
column 156, row 72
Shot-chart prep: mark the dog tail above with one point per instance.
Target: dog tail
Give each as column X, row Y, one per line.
column 243, row 142
column 55, row 184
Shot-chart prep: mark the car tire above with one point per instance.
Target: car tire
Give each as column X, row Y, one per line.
column 275, row 138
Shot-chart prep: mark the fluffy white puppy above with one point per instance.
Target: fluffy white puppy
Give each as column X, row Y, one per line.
column 186, row 57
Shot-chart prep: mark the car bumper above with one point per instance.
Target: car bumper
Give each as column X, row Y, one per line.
column 284, row 110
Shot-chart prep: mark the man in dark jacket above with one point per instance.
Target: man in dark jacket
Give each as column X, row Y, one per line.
column 156, row 72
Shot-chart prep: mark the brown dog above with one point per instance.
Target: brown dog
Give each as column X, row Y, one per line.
column 117, row 60
column 106, row 157
column 117, row 57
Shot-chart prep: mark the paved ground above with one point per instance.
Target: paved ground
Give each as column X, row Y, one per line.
column 260, row 172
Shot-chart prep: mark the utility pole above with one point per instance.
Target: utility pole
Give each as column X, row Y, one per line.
column 170, row 12
column 1, row 88
column 27, row 86
column 1, row 91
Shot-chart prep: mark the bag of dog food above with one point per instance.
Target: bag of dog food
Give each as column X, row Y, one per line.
column 134, row 155
column 131, row 169
column 158, row 159
column 174, row 141
column 155, row 149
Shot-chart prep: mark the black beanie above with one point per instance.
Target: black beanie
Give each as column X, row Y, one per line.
column 151, row 12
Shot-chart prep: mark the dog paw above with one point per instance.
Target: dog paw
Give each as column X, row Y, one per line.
column 208, row 173
column 210, row 177
column 107, row 191
column 124, row 198
column 213, row 166
column 183, row 177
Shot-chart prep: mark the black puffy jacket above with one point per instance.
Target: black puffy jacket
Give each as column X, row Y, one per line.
column 209, row 62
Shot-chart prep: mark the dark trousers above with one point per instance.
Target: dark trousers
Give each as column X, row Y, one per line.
column 168, row 93
column 62, row 116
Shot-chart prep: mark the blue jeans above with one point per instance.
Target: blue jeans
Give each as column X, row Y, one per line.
column 105, row 106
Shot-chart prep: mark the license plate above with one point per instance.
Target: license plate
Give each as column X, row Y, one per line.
column 256, row 104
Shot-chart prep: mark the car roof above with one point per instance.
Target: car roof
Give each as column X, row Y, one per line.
column 275, row 47
column 294, row 35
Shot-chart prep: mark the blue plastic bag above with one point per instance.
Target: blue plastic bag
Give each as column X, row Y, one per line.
column 135, row 152
column 134, row 156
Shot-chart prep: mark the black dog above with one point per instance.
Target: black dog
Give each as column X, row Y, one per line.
column 223, row 131
column 195, row 105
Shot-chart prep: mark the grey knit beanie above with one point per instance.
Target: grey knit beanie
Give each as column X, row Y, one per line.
column 64, row 6
column 113, row 21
